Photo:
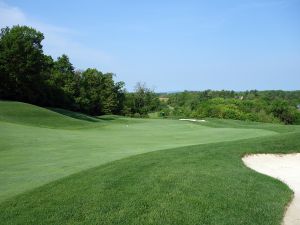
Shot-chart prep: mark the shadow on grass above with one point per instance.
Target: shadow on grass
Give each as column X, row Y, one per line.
column 108, row 117
column 75, row 115
column 93, row 119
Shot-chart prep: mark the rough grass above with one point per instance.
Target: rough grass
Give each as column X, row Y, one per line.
column 201, row 184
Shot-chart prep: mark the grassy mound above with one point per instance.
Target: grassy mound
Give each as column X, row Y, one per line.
column 27, row 114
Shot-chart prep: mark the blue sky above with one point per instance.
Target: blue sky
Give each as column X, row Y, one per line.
column 173, row 45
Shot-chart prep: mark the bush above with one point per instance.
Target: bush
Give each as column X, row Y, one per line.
column 284, row 112
column 266, row 106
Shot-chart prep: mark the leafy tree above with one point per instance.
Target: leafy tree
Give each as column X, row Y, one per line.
column 120, row 97
column 99, row 94
column 142, row 101
column 62, row 72
column 65, row 82
column 23, row 66
column 284, row 112
column 28, row 75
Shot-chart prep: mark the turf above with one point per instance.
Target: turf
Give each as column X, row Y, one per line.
column 197, row 177
column 27, row 114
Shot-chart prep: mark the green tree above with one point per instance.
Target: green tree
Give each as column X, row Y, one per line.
column 23, row 66
column 99, row 94
column 284, row 112
column 65, row 82
column 142, row 101
column 28, row 75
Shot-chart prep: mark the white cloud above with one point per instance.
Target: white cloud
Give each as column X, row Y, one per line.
column 10, row 15
column 58, row 40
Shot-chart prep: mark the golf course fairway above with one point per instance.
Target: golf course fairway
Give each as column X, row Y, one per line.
column 61, row 167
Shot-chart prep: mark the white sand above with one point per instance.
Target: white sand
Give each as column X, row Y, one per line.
column 193, row 120
column 285, row 168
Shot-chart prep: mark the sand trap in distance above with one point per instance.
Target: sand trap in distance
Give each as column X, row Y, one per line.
column 284, row 167
column 193, row 120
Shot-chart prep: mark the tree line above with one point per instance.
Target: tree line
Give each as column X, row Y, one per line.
column 262, row 106
column 29, row 75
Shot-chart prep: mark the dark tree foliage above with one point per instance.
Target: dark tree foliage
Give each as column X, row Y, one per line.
column 282, row 110
column 142, row 101
column 64, row 83
column 99, row 94
column 28, row 75
column 23, row 66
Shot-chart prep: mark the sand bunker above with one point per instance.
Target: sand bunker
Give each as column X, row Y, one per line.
column 285, row 168
column 193, row 120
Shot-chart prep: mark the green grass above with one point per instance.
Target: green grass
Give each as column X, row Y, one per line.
column 26, row 114
column 197, row 177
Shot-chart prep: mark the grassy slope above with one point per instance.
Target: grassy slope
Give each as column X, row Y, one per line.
column 27, row 114
column 201, row 184
column 32, row 155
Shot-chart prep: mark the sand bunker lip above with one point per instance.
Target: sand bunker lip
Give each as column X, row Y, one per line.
column 284, row 167
column 193, row 120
